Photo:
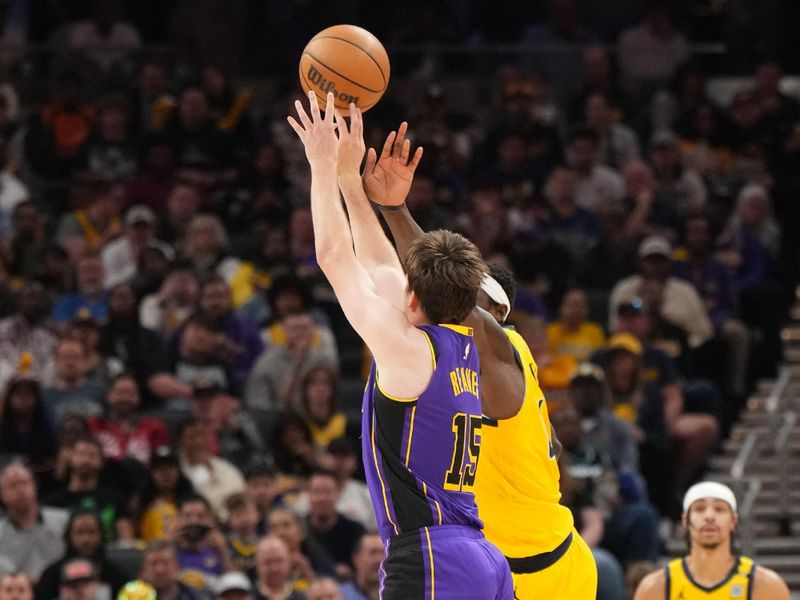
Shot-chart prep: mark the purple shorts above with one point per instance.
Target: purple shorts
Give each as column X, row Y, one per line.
column 445, row 562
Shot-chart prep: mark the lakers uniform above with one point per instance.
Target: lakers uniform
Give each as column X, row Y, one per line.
column 738, row 584
column 517, row 491
column 420, row 458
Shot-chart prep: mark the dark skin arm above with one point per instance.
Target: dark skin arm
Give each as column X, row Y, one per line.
column 388, row 180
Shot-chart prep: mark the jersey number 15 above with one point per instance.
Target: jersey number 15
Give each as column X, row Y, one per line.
column 466, row 448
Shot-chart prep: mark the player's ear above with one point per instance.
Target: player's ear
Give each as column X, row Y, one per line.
column 413, row 301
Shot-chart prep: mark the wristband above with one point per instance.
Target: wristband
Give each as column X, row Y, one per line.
column 383, row 207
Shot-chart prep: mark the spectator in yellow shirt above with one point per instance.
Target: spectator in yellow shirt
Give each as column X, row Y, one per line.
column 572, row 334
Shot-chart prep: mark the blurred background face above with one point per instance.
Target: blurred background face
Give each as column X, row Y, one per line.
column 285, row 525
column 23, row 399
column 85, row 459
column 568, row 425
column 244, row 518
column 86, row 535
column 17, row 489
column 183, row 203
column 319, row 394
column 698, row 237
column 655, row 266
column 664, row 160
column 26, row 220
column 574, row 308
column 323, row 493
column 15, row 587
column 198, row 339
column 598, row 114
column 160, row 569
column 261, row 489
column 193, row 108
column 166, row 475
column 622, row 372
column 561, row 185
column 587, row 396
column 122, row 301
column 194, row 441
column 90, row 275
column 124, row 395
column 272, row 563
column 214, row 81
column 204, row 237
column 299, row 329
column 215, row 299
column 368, row 557
column 754, row 210
column 70, row 360
column 194, row 513
column 324, row 589
column 582, row 153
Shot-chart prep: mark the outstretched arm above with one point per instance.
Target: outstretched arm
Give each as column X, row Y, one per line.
column 373, row 249
column 387, row 182
column 400, row 349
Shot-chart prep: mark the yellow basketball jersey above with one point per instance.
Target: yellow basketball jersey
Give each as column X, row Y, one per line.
column 517, row 485
column 737, row 585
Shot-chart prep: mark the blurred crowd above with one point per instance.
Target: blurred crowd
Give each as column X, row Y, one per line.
column 180, row 390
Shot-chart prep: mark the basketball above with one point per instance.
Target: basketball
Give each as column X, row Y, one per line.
column 348, row 61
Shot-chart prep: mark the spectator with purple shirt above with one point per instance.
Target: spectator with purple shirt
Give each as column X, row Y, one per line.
column 201, row 549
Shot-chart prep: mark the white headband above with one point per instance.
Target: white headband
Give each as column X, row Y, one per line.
column 709, row 489
column 496, row 292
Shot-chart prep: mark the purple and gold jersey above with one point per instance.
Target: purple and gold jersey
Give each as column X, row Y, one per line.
column 421, row 454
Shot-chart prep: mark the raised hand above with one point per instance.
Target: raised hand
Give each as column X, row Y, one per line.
column 387, row 179
column 351, row 143
column 317, row 133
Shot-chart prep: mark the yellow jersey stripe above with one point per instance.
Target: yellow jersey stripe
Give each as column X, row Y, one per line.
column 390, row 397
column 430, row 557
column 410, row 434
column 430, row 345
column 462, row 329
column 380, row 479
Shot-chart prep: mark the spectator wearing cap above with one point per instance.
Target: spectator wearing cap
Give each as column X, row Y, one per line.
column 234, row 436
column 240, row 342
column 157, row 501
column 273, row 567
column 214, row 478
column 89, row 229
column 31, row 537
column 366, row 568
column 663, row 427
column 678, row 190
column 84, row 542
column 573, row 334
column 122, row 432
column 121, row 257
column 160, row 569
column 71, row 392
column 354, row 501
column 25, row 334
column 234, row 585
column 26, row 427
column 682, row 304
column 79, row 581
column 15, row 586
column 275, row 381
column 91, row 293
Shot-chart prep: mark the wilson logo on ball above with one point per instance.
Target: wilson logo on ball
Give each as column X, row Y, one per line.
column 327, row 85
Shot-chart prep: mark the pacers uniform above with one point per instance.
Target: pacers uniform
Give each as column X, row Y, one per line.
column 738, row 584
column 517, row 491
column 420, row 458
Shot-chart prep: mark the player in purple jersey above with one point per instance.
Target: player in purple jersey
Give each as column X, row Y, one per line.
column 422, row 405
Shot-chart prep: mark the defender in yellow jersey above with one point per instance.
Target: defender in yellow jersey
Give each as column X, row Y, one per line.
column 711, row 571
column 517, row 486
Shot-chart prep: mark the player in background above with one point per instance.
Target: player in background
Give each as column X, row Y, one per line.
column 712, row 570
column 422, row 410
column 517, row 487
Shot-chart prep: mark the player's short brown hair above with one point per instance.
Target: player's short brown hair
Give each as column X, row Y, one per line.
column 445, row 270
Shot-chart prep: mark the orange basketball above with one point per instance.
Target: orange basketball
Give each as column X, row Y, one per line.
column 348, row 61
